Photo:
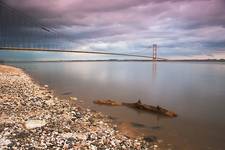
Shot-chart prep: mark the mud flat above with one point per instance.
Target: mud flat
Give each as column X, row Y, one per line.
column 31, row 117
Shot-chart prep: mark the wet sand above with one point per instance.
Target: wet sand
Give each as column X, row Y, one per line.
column 32, row 117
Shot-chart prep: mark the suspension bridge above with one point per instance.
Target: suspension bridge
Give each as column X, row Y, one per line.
column 20, row 32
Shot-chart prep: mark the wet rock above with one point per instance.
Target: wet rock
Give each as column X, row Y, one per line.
column 66, row 93
column 156, row 127
column 150, row 138
column 138, row 125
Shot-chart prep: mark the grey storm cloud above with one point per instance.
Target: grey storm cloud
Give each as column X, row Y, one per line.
column 130, row 25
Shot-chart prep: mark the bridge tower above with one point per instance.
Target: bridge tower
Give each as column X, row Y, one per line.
column 154, row 51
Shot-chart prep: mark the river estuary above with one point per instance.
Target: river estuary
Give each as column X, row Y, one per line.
column 194, row 90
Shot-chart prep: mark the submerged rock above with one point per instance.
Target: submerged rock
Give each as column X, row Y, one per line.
column 150, row 138
column 138, row 125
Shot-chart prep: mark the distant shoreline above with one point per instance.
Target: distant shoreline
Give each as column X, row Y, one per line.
column 113, row 60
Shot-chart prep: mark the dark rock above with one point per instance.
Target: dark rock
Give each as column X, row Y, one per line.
column 32, row 148
column 11, row 144
column 66, row 93
column 21, row 135
column 2, row 127
column 150, row 138
column 156, row 127
column 138, row 125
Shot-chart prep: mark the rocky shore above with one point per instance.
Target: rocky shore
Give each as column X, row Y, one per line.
column 31, row 117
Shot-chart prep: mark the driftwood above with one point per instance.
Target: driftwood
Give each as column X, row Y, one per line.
column 138, row 105
column 155, row 109
column 107, row 102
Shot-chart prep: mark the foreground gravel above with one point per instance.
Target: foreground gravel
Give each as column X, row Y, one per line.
column 31, row 117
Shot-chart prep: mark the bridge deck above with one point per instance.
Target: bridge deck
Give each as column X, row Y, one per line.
column 74, row 51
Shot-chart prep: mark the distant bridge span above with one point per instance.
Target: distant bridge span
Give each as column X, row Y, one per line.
column 75, row 51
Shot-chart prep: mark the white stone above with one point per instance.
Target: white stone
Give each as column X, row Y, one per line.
column 113, row 143
column 74, row 98
column 50, row 102
column 81, row 136
column 67, row 135
column 4, row 142
column 155, row 146
column 124, row 147
column 31, row 124
column 93, row 147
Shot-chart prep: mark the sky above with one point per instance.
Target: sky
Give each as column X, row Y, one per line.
column 183, row 29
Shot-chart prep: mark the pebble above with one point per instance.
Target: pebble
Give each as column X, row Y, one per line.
column 31, row 124
column 50, row 102
column 74, row 98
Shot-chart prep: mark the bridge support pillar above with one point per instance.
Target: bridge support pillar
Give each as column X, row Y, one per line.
column 154, row 51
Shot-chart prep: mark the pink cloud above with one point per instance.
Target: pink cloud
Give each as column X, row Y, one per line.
column 174, row 23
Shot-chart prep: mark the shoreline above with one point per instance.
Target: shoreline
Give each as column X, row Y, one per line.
column 31, row 116
column 110, row 60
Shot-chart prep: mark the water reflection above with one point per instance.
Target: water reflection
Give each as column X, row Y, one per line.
column 154, row 70
column 194, row 90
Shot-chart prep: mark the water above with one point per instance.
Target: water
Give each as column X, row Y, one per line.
column 194, row 90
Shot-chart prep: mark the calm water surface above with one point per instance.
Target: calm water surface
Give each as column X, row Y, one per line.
column 195, row 90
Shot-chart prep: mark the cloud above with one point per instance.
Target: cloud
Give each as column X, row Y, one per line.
column 178, row 26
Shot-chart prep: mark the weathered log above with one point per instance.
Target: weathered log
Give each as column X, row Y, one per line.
column 108, row 102
column 155, row 109
column 138, row 105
